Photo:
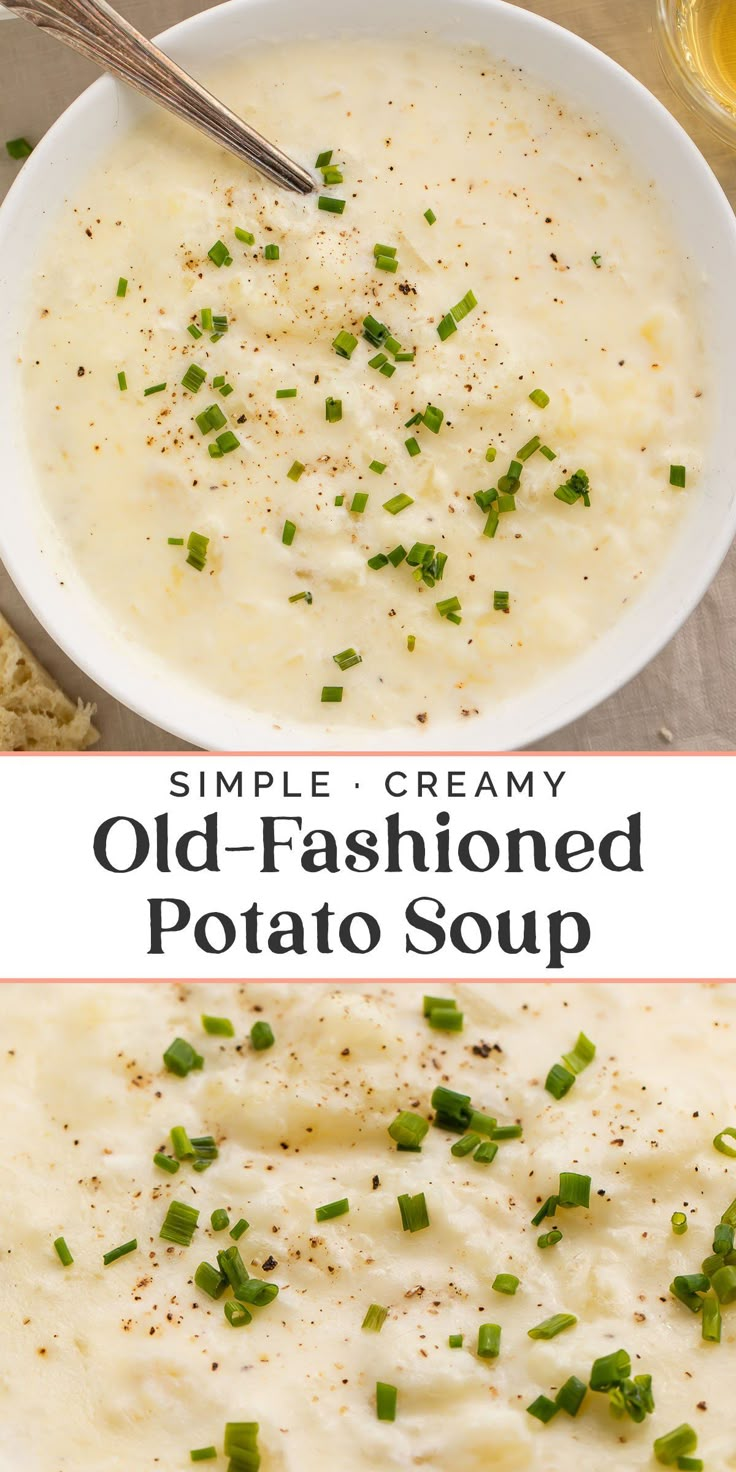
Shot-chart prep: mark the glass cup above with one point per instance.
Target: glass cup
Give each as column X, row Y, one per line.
column 697, row 48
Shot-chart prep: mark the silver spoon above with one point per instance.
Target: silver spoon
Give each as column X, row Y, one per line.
column 95, row 29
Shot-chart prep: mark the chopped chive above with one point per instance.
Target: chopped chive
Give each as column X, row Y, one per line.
column 559, row 1081
column 464, row 306
column 377, row 361
column 121, row 1251
column 193, row 378
column 203, row 1454
column 491, row 453
column 455, row 1341
column 688, row 1288
column 179, row 1224
column 433, row 418
column 296, row 472
column 271, row 252
column 489, row 1341
column 209, row 419
column 548, row 1208
column 324, row 159
column 491, row 526
column 244, row 235
column 206, row 318
column 723, row 1284
column 507, row 1132
column 690, row 1464
column 165, row 1162
column 261, row 1036
column 384, row 250
column 720, row 1142
column 486, row 1153
column 181, row 1143
column 413, row 446
column 18, row 148
column 387, row 263
column 550, row 1328
column 340, row 500
column 429, row 1003
column 571, row 1395
column 446, row 326
column 549, row 1239
column 156, row 388
column 297, row 598
column 453, row 1111
column 286, row 393
column 582, row 1054
column 408, row 1130
column 529, row 449
column 411, row 642
column 288, row 534
column 678, row 476
column 210, row 1280
column 256, row 1292
column 62, row 1252
column 723, row 1239
column 575, row 489
column 218, row 1026
column 543, row 1409
column 226, row 390
column 430, row 216
column 610, row 1369
column 345, row 344
column 180, row 1058
column 446, row 1019
column 196, row 557
column 464, row 1145
column 219, row 254
column 397, row 503
column 122, row 382
column 677, row 1443
column 548, row 454
column 413, row 1211
column 500, row 602
column 333, row 410
column 331, row 205
column 347, row 658
column 359, row 502
column 505, row 1283
column 408, row 357
column 194, row 331
column 574, row 1189
column 380, row 560
column 386, row 1396
column 237, row 1315
column 219, row 1219
column 377, row 466
column 240, row 1227
column 241, row 1438
column 122, row 286
column 332, row 1209
column 231, row 1264
column 375, row 1318
column 449, row 608
column 484, row 1124
column 331, row 694
column 539, row 397
column 332, row 175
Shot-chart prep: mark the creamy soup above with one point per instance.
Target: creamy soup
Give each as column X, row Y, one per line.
column 410, row 500
column 134, row 1364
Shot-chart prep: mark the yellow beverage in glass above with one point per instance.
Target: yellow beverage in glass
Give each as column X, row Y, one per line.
column 698, row 48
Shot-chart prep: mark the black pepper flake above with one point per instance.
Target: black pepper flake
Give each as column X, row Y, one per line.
column 269, row 1265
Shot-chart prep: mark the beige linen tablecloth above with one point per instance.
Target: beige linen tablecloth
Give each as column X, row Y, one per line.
column 690, row 690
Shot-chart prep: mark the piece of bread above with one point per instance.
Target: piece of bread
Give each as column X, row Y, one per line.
column 35, row 715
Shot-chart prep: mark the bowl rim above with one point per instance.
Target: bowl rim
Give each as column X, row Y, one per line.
column 143, row 693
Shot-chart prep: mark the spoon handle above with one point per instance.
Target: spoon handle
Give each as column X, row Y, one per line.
column 95, row 29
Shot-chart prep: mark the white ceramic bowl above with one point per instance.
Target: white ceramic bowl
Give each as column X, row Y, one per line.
column 706, row 229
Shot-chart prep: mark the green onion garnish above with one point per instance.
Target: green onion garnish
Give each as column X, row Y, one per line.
column 165, row 1162
column 332, row 175
column 62, row 1252
column 156, row 388
column 324, row 159
column 231, row 1264
column 244, row 235
column 375, row 1318
column 332, row 1209
column 455, row 1341
column 179, row 1224
column 286, row 393
column 548, row 1208
column 193, row 330
column 203, row 1454
column 386, row 263
column 500, row 602
column 18, row 148
column 529, row 448
column 408, row 1130
column 550, row 1328
column 122, row 286
column 549, row 1239
column 197, row 545
column 679, row 1223
column 507, row 1132
column 332, row 694
column 720, row 1142
column 539, row 397
column 377, row 466
column 257, row 1292
column 218, row 1026
column 288, row 534
column 180, row 1058
column 582, row 1054
column 723, row 1284
column 571, row 1395
column 543, row 1409
column 486, row 1153
column 333, row 410
column 489, row 1341
column 181, row 1143
column 219, row 254
column 430, row 216
column 433, row 418
column 446, row 326
column 240, row 1227
column 464, row 306
column 411, row 642
column 271, row 252
column 464, row 1145
column 505, row 1283
column 193, row 378
column 261, row 1036
column 210, row 1280
column 611, row 1369
column 446, row 1019
column 559, row 1081
column 453, row 1111
column 378, row 361
column 385, row 1401
column 122, row 382
column 209, row 419
column 688, row 1287
column 297, row 598
column 175, row 541
column 413, row 1210
column 296, row 472
column 413, row 446
column 574, row 1189
column 345, row 344
column 359, row 502
column 237, row 1315
column 397, row 504
column 219, row 1219
column 330, row 204
column 449, row 608
column 677, row 1443
column 548, row 454
column 347, row 658
column 121, row 1251
column 678, row 476
column 574, row 489
column 711, row 1323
